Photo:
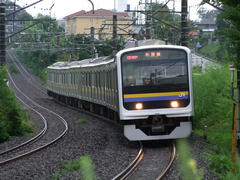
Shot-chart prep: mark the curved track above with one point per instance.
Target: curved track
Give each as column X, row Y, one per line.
column 35, row 82
column 150, row 163
column 132, row 167
column 173, row 155
column 32, row 145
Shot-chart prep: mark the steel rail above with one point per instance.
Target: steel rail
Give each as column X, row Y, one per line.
column 43, row 146
column 132, row 167
column 173, row 155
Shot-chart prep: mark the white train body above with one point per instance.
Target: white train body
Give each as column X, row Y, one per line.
column 147, row 89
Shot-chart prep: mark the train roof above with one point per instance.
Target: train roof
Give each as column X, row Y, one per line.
column 83, row 63
column 131, row 44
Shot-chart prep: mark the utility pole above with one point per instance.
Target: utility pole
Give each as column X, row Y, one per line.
column 92, row 42
column 174, row 21
column 148, row 20
column 72, row 48
column 238, row 107
column 184, row 32
column 2, row 35
column 114, row 34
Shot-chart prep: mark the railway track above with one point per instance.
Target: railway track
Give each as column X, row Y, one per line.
column 46, row 137
column 27, row 76
column 149, row 164
column 134, row 170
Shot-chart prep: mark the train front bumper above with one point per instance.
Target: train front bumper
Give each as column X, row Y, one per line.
column 134, row 134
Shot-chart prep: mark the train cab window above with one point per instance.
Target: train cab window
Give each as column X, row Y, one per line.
column 156, row 68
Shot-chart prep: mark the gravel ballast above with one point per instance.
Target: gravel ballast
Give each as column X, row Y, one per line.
column 103, row 142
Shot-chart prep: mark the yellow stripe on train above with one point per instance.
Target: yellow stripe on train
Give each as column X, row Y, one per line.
column 156, row 94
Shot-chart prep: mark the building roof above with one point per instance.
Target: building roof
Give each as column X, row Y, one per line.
column 207, row 21
column 97, row 13
column 193, row 33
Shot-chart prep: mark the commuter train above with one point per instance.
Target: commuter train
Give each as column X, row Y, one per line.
column 147, row 89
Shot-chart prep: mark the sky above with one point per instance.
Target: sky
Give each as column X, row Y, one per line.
column 63, row 8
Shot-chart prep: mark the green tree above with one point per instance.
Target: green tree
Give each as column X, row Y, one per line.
column 230, row 13
column 12, row 115
column 166, row 25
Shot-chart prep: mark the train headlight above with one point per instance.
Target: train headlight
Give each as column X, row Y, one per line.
column 174, row 104
column 139, row 106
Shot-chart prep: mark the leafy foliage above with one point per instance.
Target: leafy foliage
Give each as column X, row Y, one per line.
column 230, row 15
column 11, row 115
column 83, row 163
column 167, row 25
column 213, row 104
column 13, row 69
column 220, row 164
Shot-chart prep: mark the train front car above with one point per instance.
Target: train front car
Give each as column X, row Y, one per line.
column 155, row 92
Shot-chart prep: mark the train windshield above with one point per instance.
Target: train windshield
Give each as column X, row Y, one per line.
column 154, row 70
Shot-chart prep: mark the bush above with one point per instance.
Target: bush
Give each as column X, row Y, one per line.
column 213, row 104
column 12, row 115
column 82, row 163
column 220, row 164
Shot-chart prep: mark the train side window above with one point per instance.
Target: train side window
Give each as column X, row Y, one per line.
column 89, row 79
column 82, row 79
column 73, row 81
column 110, row 75
column 106, row 81
column 77, row 77
column 94, row 79
column 114, row 87
column 98, row 80
column 85, row 78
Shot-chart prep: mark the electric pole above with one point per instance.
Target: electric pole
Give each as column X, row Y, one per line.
column 184, row 32
column 238, row 107
column 92, row 42
column 2, row 35
column 114, row 34
column 148, row 19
